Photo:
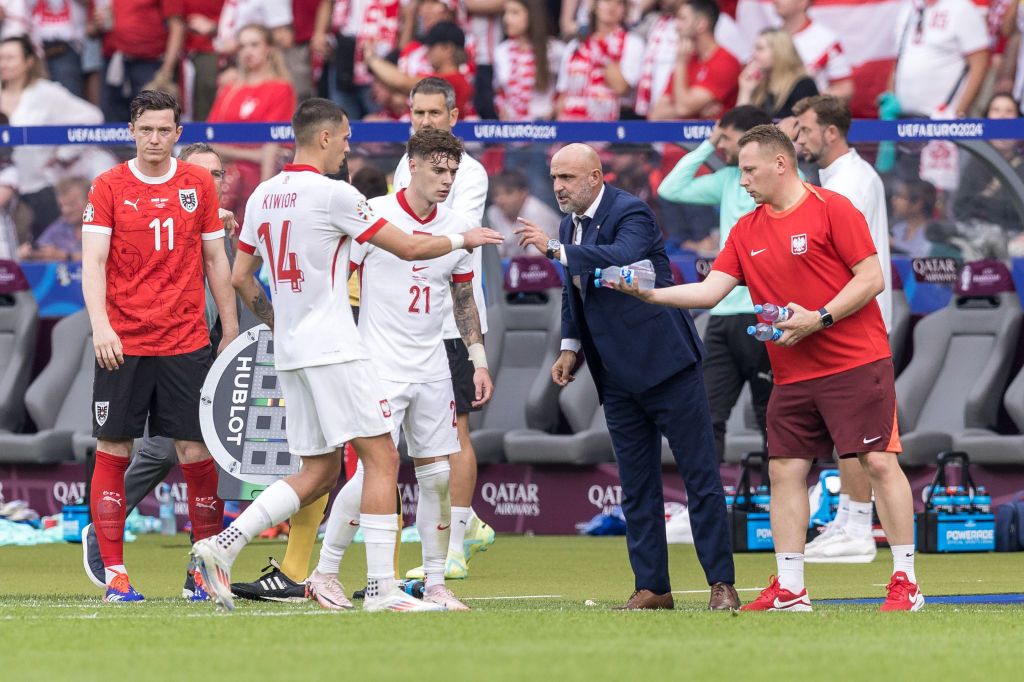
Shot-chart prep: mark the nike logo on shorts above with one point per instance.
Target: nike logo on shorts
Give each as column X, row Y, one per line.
column 869, row 441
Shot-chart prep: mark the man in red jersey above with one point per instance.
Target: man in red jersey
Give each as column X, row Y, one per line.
column 150, row 231
column 832, row 368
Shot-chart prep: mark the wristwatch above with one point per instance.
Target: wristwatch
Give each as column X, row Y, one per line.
column 826, row 318
column 554, row 246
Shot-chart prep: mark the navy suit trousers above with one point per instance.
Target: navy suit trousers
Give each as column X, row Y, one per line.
column 677, row 408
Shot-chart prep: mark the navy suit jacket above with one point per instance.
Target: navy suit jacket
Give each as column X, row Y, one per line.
column 627, row 342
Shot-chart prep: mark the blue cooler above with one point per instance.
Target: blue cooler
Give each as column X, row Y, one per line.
column 75, row 518
column 748, row 517
column 959, row 520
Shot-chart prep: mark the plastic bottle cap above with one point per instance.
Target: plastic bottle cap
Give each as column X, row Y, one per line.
column 597, row 273
column 751, row 330
column 758, row 309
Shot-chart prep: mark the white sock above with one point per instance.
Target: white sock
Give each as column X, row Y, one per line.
column 275, row 504
column 843, row 512
column 858, row 524
column 791, row 571
column 379, row 534
column 110, row 571
column 342, row 524
column 460, row 522
column 903, row 560
column 433, row 513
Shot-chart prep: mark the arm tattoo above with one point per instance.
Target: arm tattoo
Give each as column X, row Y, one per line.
column 262, row 309
column 467, row 318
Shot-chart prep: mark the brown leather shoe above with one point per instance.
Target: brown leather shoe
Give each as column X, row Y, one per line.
column 724, row 598
column 645, row 599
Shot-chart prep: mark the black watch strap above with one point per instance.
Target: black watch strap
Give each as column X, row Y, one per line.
column 826, row 318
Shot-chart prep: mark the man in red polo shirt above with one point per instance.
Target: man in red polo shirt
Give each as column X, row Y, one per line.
column 832, row 367
column 705, row 79
column 142, row 41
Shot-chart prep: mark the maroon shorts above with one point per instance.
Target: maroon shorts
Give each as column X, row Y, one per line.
column 853, row 411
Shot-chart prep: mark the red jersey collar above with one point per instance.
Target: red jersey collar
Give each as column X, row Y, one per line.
column 296, row 167
column 404, row 203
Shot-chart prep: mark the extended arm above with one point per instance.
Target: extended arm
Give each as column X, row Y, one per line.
column 218, row 276
column 412, row 247
column 706, row 294
column 243, row 279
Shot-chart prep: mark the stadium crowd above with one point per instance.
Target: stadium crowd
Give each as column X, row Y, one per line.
column 81, row 61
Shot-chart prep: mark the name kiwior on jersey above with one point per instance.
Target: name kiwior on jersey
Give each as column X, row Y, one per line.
column 403, row 305
column 303, row 225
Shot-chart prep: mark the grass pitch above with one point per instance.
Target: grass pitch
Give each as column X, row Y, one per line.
column 529, row 621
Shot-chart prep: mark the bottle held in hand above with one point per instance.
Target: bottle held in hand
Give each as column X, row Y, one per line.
column 763, row 331
column 642, row 273
column 771, row 313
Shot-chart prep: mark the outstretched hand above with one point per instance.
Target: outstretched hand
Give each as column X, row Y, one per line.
column 531, row 235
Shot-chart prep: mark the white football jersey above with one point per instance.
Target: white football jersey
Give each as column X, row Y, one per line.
column 468, row 196
column 303, row 225
column 403, row 304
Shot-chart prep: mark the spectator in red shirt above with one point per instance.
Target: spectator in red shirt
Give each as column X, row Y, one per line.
column 446, row 50
column 142, row 42
column 704, row 82
column 261, row 93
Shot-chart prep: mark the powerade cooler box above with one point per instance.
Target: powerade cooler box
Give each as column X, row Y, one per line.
column 748, row 513
column 954, row 523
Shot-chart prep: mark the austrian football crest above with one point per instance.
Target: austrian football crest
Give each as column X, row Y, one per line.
column 798, row 244
column 101, row 410
column 88, row 214
column 189, row 200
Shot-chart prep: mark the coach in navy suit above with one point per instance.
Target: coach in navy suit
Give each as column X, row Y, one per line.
column 646, row 362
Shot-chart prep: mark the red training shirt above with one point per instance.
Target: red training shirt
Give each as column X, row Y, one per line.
column 155, row 295
column 804, row 255
column 266, row 102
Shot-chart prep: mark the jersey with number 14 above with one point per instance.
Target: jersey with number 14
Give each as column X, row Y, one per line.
column 155, row 295
column 402, row 304
column 303, row 225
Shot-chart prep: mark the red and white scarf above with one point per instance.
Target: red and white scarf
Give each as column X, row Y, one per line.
column 514, row 97
column 587, row 97
column 662, row 37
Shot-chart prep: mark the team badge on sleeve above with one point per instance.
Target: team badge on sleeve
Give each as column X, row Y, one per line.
column 88, row 214
column 189, row 199
column 364, row 211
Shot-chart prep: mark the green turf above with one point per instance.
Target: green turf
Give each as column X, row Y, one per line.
column 52, row 623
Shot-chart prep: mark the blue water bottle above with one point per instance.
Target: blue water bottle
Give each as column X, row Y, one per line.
column 982, row 500
column 730, row 496
column 763, row 331
column 962, row 501
column 769, row 312
column 168, row 523
column 940, row 500
column 762, row 499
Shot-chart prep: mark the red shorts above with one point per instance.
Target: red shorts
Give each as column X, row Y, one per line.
column 852, row 411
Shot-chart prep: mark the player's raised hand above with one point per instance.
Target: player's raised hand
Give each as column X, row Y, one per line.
column 479, row 236
column 108, row 348
column 484, row 387
column 530, row 234
column 800, row 324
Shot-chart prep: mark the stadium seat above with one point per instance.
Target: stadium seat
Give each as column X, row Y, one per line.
column 899, row 329
column 988, row 447
column 589, row 442
column 962, row 358
column 523, row 338
column 18, row 324
column 58, row 400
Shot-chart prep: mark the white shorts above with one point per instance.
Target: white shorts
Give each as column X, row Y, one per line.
column 426, row 413
column 329, row 405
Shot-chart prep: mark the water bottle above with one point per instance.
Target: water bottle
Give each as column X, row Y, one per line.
column 763, row 331
column 769, row 312
column 730, row 496
column 413, row 588
column 940, row 500
column 168, row 524
column 762, row 499
column 641, row 272
column 982, row 500
column 962, row 501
